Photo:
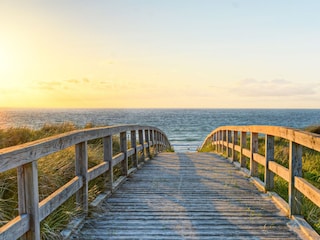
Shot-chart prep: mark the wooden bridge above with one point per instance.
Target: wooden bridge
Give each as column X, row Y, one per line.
column 174, row 195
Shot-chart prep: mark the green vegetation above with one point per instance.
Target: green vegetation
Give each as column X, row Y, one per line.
column 54, row 171
column 310, row 171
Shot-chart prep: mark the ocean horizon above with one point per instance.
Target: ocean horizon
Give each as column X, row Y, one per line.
column 186, row 128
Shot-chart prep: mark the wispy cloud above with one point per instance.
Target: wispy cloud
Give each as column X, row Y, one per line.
column 271, row 88
column 49, row 85
column 62, row 84
column 76, row 81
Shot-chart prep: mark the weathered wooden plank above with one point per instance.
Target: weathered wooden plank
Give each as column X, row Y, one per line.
column 15, row 228
column 246, row 152
column 124, row 149
column 97, row 170
column 133, row 138
column 259, row 159
column 107, row 157
column 139, row 147
column 237, row 148
column 196, row 196
column 295, row 170
column 300, row 137
column 16, row 156
column 130, row 152
column 243, row 152
column 253, row 150
column 280, row 170
column 117, row 159
column 54, row 200
column 81, row 168
column 141, row 144
column 308, row 190
column 269, row 156
column 30, row 185
column 234, row 145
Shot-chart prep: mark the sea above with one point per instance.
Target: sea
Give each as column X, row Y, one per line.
column 185, row 128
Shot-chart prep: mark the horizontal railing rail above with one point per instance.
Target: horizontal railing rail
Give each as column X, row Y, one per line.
column 244, row 140
column 25, row 157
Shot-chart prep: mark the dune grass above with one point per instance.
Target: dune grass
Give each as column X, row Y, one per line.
column 310, row 171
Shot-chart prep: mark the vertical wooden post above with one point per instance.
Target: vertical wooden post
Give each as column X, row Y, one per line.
column 147, row 138
column 243, row 144
column 141, row 142
column 219, row 141
column 224, row 138
column 107, row 157
column 295, row 169
column 124, row 149
column 156, row 141
column 253, row 149
column 82, row 171
column 228, row 138
column 29, row 197
column 159, row 142
column 216, row 136
column 269, row 155
column 21, row 194
column 134, row 146
column 234, row 143
column 152, row 141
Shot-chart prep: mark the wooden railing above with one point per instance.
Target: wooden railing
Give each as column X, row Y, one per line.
column 24, row 158
column 234, row 140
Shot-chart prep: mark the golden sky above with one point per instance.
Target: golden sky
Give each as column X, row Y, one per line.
column 160, row 54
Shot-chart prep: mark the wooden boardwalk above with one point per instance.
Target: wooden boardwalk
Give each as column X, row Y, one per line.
column 187, row 196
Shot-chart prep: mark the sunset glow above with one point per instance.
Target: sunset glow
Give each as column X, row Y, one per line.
column 160, row 54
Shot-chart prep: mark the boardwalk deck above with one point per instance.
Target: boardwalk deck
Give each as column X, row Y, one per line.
column 187, row 196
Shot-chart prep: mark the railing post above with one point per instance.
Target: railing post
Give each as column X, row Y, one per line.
column 107, row 157
column 162, row 142
column 82, row 171
column 243, row 144
column 146, row 135
column 29, row 198
column 134, row 146
column 295, row 169
column 219, row 141
column 228, row 139
column 124, row 149
column 141, row 142
column 234, row 143
column 156, row 141
column 152, row 140
column 269, row 156
column 216, row 142
column 224, row 138
column 253, row 149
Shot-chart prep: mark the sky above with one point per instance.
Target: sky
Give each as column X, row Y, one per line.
column 160, row 54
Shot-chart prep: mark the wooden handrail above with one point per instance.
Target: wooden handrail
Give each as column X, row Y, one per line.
column 24, row 157
column 225, row 139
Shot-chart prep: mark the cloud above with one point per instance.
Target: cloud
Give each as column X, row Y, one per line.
column 271, row 88
column 49, row 85
column 73, row 81
column 62, row 84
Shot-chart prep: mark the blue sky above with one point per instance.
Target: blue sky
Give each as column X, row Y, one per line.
column 212, row 54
